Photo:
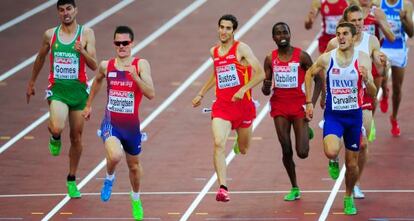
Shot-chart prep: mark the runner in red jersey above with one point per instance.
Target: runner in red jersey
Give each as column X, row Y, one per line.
column 331, row 12
column 236, row 71
column 287, row 66
column 128, row 79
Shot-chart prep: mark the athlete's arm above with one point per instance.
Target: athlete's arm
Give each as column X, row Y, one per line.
column 88, row 51
column 365, row 68
column 96, row 86
column 332, row 44
column 383, row 24
column 378, row 58
column 267, row 82
column 207, row 85
column 316, row 69
column 406, row 18
column 313, row 13
column 305, row 64
column 38, row 64
column 257, row 74
column 144, row 79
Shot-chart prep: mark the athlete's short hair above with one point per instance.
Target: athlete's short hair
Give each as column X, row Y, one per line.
column 349, row 25
column 349, row 9
column 64, row 2
column 277, row 24
column 231, row 18
column 124, row 30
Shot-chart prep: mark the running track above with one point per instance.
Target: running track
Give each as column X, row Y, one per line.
column 177, row 158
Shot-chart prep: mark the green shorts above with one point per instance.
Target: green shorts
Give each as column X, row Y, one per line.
column 72, row 93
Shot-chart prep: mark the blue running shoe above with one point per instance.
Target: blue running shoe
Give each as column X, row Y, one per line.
column 107, row 189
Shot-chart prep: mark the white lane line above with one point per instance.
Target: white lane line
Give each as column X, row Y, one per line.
column 91, row 23
column 266, row 192
column 27, row 15
column 269, row 5
column 151, row 117
column 337, row 185
column 165, row 27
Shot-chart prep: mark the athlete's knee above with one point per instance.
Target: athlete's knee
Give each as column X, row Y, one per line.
column 351, row 164
column 76, row 140
column 331, row 154
column 219, row 142
column 303, row 153
column 134, row 168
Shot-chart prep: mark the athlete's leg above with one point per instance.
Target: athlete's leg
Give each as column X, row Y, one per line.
column 76, row 122
column 283, row 127
column 244, row 136
column 114, row 153
column 58, row 115
column 332, row 146
column 363, row 152
column 351, row 174
column 221, row 130
column 397, row 80
column 135, row 171
column 300, row 126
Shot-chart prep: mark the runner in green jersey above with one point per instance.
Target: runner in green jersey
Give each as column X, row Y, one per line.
column 72, row 48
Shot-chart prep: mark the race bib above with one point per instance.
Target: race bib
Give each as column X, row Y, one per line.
column 227, row 76
column 370, row 29
column 121, row 102
column 66, row 68
column 331, row 22
column 344, row 94
column 396, row 28
column 286, row 76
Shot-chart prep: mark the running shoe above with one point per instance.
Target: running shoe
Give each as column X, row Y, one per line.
column 311, row 133
column 384, row 102
column 395, row 128
column 373, row 134
column 358, row 194
column 54, row 146
column 333, row 169
column 137, row 210
column 73, row 191
column 294, row 194
column 349, row 206
column 222, row 195
column 107, row 189
column 236, row 148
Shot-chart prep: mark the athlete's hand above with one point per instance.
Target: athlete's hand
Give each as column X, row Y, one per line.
column 364, row 73
column 309, row 19
column 132, row 71
column 197, row 100
column 29, row 92
column 309, row 111
column 322, row 102
column 238, row 95
column 403, row 15
column 79, row 47
column 86, row 113
column 267, row 84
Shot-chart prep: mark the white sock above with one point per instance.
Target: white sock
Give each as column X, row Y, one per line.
column 110, row 177
column 135, row 195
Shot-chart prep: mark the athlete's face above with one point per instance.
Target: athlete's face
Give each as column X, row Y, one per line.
column 345, row 38
column 67, row 13
column 356, row 19
column 281, row 36
column 123, row 45
column 225, row 31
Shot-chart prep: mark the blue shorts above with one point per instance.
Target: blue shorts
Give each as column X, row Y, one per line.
column 347, row 125
column 129, row 138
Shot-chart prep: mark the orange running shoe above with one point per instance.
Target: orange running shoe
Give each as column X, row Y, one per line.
column 384, row 102
column 222, row 195
column 395, row 128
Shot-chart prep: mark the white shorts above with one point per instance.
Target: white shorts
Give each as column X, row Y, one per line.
column 397, row 57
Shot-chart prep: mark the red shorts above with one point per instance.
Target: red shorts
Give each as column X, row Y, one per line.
column 290, row 109
column 241, row 113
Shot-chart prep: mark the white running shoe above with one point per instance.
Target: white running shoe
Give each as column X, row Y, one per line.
column 358, row 194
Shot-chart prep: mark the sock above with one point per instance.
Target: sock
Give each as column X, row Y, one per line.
column 56, row 138
column 110, row 177
column 71, row 178
column 135, row 195
column 224, row 187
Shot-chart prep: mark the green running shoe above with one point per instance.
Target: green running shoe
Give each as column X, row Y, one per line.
column 349, row 206
column 137, row 210
column 73, row 191
column 333, row 169
column 236, row 148
column 311, row 133
column 372, row 135
column 54, row 146
column 294, row 194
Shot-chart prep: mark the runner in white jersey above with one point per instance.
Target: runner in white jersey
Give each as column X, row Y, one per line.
column 345, row 70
